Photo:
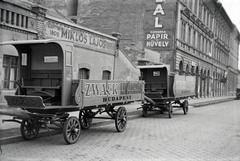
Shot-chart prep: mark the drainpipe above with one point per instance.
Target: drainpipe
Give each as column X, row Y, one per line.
column 117, row 35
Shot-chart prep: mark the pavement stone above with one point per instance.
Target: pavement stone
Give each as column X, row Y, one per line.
column 10, row 131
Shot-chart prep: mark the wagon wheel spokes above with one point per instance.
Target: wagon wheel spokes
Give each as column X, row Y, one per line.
column 71, row 130
column 29, row 129
column 85, row 119
column 185, row 107
column 170, row 110
column 121, row 119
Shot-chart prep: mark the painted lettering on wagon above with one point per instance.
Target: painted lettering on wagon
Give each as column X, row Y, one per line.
column 113, row 91
column 101, row 89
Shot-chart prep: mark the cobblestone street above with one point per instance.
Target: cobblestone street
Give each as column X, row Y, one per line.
column 207, row 133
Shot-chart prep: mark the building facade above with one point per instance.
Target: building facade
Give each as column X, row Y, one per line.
column 194, row 37
column 99, row 55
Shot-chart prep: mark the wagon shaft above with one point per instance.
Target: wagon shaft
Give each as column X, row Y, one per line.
column 14, row 112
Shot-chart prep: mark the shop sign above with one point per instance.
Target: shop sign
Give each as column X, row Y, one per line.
column 78, row 35
column 158, row 25
column 158, row 39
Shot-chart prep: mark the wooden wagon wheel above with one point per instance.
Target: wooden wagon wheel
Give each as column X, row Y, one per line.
column 121, row 119
column 185, row 107
column 29, row 129
column 71, row 130
column 144, row 110
column 169, row 110
column 85, row 119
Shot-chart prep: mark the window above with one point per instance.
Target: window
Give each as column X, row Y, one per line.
column 83, row 73
column 189, row 35
column 181, row 68
column 10, row 71
column 156, row 73
column 183, row 28
column 106, row 75
column 194, row 39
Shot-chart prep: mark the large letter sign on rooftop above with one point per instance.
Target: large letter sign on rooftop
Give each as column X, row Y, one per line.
column 158, row 10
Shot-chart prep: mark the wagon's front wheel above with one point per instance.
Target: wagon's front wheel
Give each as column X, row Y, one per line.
column 121, row 119
column 144, row 110
column 29, row 129
column 170, row 110
column 185, row 107
column 71, row 130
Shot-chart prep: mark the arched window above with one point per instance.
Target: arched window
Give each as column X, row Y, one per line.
column 192, row 70
column 83, row 73
column 187, row 70
column 181, row 68
column 106, row 75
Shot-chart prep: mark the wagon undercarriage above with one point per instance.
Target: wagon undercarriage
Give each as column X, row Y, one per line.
column 164, row 105
column 31, row 122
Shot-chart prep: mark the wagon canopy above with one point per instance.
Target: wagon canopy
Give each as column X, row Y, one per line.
column 52, row 56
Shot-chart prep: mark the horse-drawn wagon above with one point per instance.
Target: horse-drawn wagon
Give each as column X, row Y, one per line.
column 47, row 92
column 163, row 89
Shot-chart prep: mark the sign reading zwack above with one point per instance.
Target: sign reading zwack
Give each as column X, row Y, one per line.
column 107, row 92
column 78, row 35
column 158, row 25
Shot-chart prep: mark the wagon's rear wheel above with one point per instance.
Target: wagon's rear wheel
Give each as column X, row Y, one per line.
column 71, row 130
column 185, row 107
column 170, row 110
column 29, row 129
column 85, row 119
column 121, row 119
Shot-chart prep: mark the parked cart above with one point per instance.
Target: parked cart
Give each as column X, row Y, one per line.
column 164, row 89
column 48, row 93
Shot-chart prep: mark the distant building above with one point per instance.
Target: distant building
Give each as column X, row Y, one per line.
column 194, row 37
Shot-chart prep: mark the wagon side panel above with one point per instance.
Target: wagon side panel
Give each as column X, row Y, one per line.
column 183, row 86
column 107, row 92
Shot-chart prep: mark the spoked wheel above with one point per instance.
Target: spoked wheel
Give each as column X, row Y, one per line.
column 85, row 119
column 170, row 110
column 29, row 129
column 185, row 107
column 71, row 130
column 121, row 119
column 144, row 110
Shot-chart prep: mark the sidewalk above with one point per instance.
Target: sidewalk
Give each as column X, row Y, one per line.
column 10, row 131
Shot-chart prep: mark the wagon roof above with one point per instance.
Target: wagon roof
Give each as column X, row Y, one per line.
column 45, row 41
column 154, row 66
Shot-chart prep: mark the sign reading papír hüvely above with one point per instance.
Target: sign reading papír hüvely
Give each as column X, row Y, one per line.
column 101, row 92
column 159, row 24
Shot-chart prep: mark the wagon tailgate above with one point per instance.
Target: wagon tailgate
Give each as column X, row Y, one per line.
column 22, row 101
column 107, row 92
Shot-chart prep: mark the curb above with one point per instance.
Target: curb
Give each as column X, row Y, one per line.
column 195, row 105
column 16, row 137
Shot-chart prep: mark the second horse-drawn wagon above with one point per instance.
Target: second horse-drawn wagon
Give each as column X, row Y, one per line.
column 164, row 89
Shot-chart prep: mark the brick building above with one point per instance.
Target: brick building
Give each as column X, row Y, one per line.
column 24, row 20
column 194, row 37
